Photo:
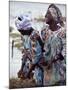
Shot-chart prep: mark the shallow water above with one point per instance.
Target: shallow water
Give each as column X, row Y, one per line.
column 15, row 62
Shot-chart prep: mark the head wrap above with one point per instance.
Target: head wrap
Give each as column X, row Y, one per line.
column 55, row 12
column 23, row 22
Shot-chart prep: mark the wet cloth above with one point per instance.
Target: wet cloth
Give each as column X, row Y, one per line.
column 26, row 62
column 26, row 42
column 53, row 46
column 38, row 76
column 26, row 67
column 37, row 52
column 59, row 70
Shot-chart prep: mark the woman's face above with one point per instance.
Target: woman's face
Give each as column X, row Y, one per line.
column 48, row 17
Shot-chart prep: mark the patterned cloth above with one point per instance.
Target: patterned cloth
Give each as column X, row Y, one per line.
column 53, row 47
column 37, row 52
column 23, row 22
column 38, row 76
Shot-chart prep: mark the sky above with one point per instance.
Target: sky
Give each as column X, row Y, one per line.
column 35, row 9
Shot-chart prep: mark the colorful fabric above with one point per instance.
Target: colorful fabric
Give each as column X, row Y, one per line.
column 23, row 22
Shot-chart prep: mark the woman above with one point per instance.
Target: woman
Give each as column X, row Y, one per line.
column 53, row 49
column 24, row 26
column 53, row 17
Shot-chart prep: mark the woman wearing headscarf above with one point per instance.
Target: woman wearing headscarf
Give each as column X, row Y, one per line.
column 36, row 53
column 53, row 48
column 24, row 26
column 53, row 17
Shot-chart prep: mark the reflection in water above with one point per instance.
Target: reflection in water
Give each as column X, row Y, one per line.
column 15, row 62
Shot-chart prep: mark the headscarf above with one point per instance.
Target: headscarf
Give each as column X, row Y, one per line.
column 23, row 22
column 55, row 12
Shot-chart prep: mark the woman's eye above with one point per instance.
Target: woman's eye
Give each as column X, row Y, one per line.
column 19, row 19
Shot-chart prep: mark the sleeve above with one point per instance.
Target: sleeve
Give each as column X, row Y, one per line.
column 47, row 48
